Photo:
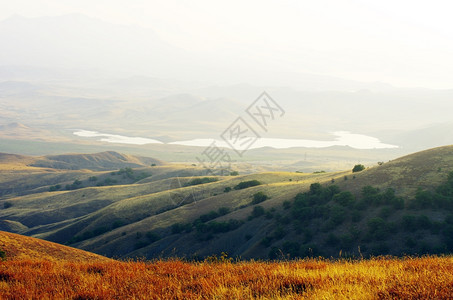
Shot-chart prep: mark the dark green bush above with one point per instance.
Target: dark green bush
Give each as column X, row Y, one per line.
column 197, row 181
column 378, row 229
column 259, row 197
column 337, row 215
column 54, row 188
column 207, row 217
column 177, row 228
column 246, row 184
column 358, row 168
column 344, row 198
column 371, row 195
column 223, row 211
column 409, row 223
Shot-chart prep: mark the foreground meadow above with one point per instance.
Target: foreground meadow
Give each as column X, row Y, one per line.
column 378, row 278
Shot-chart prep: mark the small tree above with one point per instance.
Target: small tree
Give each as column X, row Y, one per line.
column 358, row 168
column 259, row 197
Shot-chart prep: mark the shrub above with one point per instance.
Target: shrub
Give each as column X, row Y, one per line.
column 282, row 219
column 141, row 176
column 54, row 188
column 409, row 223
column 77, row 184
column 259, row 197
column 223, row 211
column 398, row 203
column 107, row 181
column 423, row 222
column 344, row 198
column 371, row 195
column 337, row 215
column 315, row 188
column 177, row 228
column 227, row 189
column 358, row 168
column 385, row 212
column 218, row 227
column 207, row 217
column 7, row 205
column 234, row 173
column 378, row 229
column 197, row 181
column 257, row 211
column 246, row 184
column 423, row 199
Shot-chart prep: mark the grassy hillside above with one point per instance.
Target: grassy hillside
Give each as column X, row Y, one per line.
column 19, row 247
column 399, row 207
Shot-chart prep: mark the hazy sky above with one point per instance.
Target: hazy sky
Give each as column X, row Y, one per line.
column 405, row 43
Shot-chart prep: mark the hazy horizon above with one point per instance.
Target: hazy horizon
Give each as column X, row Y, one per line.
column 181, row 73
column 404, row 44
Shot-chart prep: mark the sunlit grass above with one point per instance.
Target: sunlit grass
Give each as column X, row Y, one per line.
column 378, row 278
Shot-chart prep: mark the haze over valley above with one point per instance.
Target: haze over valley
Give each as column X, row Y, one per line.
column 226, row 150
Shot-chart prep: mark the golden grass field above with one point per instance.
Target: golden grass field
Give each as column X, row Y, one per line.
column 37, row 269
column 379, row 278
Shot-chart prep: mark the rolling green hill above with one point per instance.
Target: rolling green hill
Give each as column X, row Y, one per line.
column 105, row 204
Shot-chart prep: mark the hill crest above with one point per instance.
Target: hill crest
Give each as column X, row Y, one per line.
column 102, row 161
column 23, row 247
